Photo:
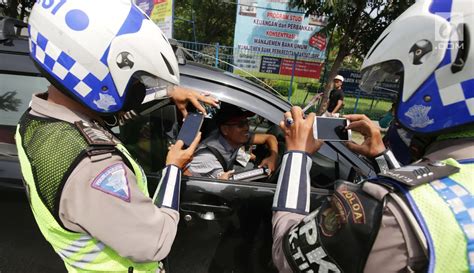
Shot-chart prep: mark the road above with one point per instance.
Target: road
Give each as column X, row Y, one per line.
column 22, row 247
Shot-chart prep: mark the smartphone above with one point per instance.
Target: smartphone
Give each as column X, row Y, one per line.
column 331, row 129
column 191, row 127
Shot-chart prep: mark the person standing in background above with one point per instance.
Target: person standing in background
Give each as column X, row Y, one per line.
column 336, row 98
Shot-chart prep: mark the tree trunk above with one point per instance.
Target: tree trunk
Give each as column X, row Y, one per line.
column 343, row 52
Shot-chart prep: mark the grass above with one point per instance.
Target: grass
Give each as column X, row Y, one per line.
column 373, row 108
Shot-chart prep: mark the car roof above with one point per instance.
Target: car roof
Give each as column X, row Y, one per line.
column 234, row 89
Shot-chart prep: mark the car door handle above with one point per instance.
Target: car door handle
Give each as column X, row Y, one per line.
column 206, row 211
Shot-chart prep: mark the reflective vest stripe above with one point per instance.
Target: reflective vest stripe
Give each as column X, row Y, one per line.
column 436, row 209
column 78, row 247
column 461, row 203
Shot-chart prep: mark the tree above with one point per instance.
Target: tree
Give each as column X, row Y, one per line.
column 8, row 102
column 19, row 9
column 214, row 21
column 354, row 24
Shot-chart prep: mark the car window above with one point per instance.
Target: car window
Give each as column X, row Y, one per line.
column 148, row 137
column 15, row 97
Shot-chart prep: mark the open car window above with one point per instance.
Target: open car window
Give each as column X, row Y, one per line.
column 148, row 137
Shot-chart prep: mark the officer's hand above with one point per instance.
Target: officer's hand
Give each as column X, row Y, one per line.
column 179, row 157
column 373, row 144
column 182, row 96
column 299, row 134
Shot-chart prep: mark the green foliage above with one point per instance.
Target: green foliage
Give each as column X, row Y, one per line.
column 356, row 23
column 282, row 87
column 214, row 21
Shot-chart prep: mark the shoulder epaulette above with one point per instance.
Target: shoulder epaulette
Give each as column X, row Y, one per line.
column 94, row 134
column 420, row 173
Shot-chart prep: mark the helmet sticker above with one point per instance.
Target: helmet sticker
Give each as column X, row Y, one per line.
column 105, row 101
column 77, row 20
column 419, row 116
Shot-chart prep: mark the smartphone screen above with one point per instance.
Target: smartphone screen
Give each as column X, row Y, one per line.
column 331, row 129
column 189, row 130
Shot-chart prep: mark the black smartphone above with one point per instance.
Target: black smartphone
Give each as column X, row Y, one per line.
column 331, row 129
column 191, row 126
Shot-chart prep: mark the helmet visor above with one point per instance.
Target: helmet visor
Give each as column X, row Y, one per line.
column 155, row 87
column 386, row 77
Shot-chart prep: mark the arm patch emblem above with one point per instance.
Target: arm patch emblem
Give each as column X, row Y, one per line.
column 113, row 180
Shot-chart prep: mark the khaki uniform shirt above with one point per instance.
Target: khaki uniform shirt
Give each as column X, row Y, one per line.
column 396, row 248
column 136, row 229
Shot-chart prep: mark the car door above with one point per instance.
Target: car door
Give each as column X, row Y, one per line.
column 226, row 226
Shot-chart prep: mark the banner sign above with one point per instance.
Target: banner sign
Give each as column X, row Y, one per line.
column 270, row 39
column 161, row 12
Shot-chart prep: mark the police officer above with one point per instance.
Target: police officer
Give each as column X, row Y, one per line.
column 88, row 195
column 410, row 219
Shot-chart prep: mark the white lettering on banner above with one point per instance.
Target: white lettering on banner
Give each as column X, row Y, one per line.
column 316, row 256
column 309, row 230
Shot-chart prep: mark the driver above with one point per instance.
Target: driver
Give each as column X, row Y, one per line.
column 217, row 155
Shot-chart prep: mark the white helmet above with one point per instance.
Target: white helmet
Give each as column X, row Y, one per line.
column 425, row 56
column 339, row 77
column 98, row 52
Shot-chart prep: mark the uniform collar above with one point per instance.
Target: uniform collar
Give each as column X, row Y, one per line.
column 40, row 105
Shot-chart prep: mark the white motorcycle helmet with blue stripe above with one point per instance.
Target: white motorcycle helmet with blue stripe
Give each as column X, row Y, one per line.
column 105, row 54
column 427, row 55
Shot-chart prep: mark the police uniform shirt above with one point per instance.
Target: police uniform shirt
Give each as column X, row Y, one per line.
column 394, row 249
column 135, row 228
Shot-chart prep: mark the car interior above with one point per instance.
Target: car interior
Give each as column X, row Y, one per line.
column 149, row 136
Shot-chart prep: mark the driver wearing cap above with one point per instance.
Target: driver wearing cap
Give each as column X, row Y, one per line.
column 224, row 148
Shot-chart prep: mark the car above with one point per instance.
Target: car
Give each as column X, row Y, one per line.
column 225, row 226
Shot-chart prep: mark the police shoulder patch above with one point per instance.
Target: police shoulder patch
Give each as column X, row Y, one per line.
column 113, row 180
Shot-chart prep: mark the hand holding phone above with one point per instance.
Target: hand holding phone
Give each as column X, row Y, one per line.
column 331, row 129
column 191, row 127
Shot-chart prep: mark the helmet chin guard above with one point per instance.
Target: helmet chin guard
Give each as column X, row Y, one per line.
column 95, row 51
column 427, row 51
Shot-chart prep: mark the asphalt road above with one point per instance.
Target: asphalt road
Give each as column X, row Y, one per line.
column 22, row 247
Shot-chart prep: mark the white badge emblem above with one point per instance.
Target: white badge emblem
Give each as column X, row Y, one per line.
column 419, row 116
column 105, row 101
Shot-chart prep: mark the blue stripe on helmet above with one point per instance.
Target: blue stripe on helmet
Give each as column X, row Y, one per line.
column 468, row 88
column 133, row 23
column 441, row 6
column 41, row 41
column 105, row 56
column 49, row 62
column 66, row 61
